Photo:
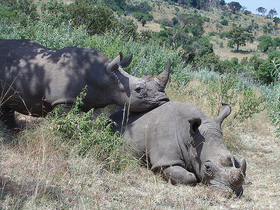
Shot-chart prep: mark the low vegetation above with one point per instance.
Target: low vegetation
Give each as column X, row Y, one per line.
column 75, row 161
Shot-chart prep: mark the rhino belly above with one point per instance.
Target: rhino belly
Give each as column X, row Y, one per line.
column 29, row 106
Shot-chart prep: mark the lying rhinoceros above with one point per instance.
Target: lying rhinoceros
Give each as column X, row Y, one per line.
column 181, row 142
column 34, row 79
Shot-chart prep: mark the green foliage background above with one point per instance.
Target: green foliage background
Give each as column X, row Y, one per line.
column 87, row 23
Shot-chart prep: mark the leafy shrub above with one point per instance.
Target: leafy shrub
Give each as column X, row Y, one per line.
column 264, row 72
column 265, row 43
column 247, row 12
column 234, row 60
column 96, row 19
column 90, row 136
column 212, row 33
column 209, row 61
column 225, row 90
column 223, row 35
column 20, row 11
column 277, row 41
column 224, row 22
column 54, row 13
column 249, row 104
column 184, row 76
column 221, row 90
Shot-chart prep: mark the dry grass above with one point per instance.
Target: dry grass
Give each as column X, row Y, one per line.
column 227, row 53
column 38, row 173
column 148, row 26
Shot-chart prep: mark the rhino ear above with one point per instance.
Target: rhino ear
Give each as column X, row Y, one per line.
column 114, row 64
column 126, row 61
column 194, row 124
column 225, row 112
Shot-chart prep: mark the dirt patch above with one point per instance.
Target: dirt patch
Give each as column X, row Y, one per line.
column 149, row 26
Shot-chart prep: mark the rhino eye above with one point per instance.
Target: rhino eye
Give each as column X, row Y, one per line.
column 209, row 169
column 138, row 89
column 208, row 165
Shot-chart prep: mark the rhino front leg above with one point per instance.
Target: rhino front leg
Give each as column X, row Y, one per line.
column 7, row 116
column 179, row 175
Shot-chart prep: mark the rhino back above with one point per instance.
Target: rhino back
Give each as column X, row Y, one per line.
column 162, row 134
column 40, row 76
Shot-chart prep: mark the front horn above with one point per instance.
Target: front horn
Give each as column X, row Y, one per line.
column 243, row 167
column 163, row 77
column 236, row 177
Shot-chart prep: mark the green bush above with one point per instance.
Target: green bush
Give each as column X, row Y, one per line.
column 212, row 33
column 265, row 43
column 90, row 136
column 19, row 11
column 96, row 19
column 249, row 104
column 222, row 90
column 225, row 89
column 246, row 12
column 224, row 22
column 264, row 72
column 223, row 35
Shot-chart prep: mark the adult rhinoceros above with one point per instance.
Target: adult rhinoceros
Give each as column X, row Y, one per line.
column 34, row 79
column 181, row 142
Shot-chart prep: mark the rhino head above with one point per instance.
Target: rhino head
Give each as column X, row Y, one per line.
column 212, row 162
column 137, row 94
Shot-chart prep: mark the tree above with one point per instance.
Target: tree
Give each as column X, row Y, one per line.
column 234, row 6
column 143, row 7
column 222, row 2
column 192, row 23
column 272, row 13
column 238, row 36
column 96, row 19
column 265, row 43
column 261, row 10
column 276, row 20
column 142, row 17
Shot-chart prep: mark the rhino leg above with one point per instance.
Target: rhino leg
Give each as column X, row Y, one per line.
column 63, row 108
column 7, row 116
column 179, row 175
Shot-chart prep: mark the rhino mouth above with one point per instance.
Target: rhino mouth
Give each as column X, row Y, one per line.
column 237, row 190
column 163, row 100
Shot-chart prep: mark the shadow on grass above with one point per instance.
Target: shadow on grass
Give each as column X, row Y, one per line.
column 245, row 52
column 14, row 195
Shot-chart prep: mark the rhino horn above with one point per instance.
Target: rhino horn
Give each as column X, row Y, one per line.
column 244, row 167
column 114, row 64
column 236, row 177
column 225, row 112
column 163, row 77
column 126, row 61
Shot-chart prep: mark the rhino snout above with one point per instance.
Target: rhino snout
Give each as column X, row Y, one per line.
column 236, row 177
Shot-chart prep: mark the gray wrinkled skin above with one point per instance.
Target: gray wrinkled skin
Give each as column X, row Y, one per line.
column 179, row 141
column 34, row 79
